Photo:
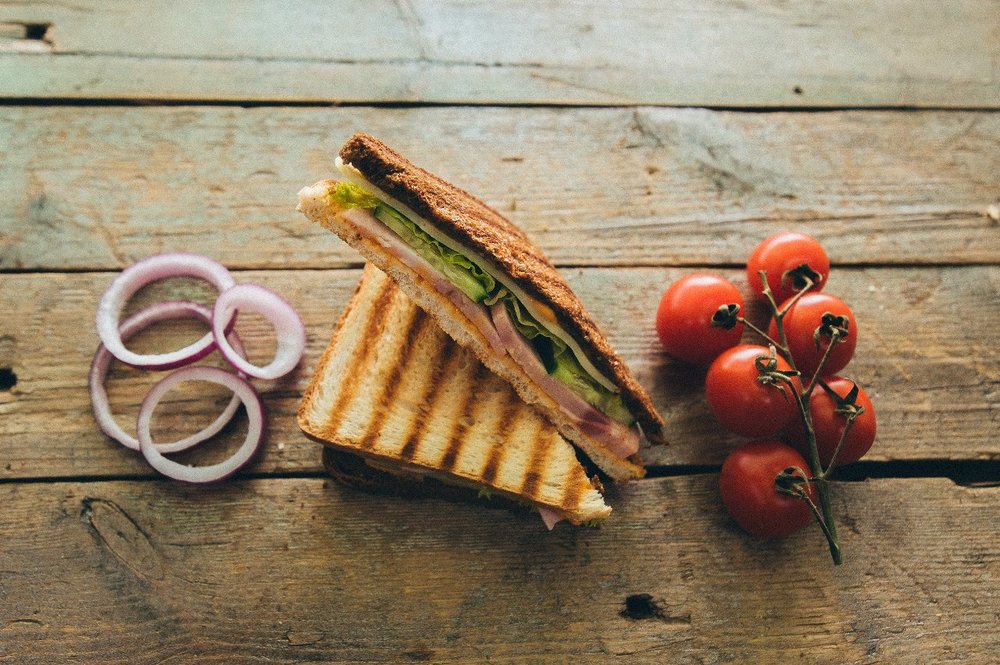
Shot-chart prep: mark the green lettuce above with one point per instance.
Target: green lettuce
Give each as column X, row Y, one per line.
column 348, row 195
column 558, row 358
column 569, row 371
column 460, row 271
column 561, row 362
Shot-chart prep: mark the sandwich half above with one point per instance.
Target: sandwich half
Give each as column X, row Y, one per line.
column 395, row 391
column 493, row 291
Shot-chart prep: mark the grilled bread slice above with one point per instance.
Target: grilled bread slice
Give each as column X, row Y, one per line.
column 395, row 390
column 486, row 237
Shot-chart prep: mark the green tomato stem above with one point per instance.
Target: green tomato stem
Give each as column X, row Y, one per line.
column 767, row 338
column 823, row 519
column 834, row 338
column 823, row 514
column 779, row 315
column 840, row 444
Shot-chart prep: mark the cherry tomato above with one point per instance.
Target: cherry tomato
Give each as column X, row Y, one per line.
column 739, row 401
column 748, row 491
column 829, row 425
column 782, row 253
column 684, row 318
column 800, row 325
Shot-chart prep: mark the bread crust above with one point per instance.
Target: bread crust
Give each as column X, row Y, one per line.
column 474, row 224
column 350, row 469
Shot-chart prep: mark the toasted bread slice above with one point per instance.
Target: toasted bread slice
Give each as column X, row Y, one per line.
column 396, row 390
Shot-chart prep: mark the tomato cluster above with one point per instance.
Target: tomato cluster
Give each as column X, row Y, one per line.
column 783, row 389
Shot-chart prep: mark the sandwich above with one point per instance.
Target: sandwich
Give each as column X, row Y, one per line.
column 493, row 291
column 397, row 402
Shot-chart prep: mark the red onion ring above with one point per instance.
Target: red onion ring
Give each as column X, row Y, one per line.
column 102, row 361
column 288, row 328
column 139, row 275
column 213, row 472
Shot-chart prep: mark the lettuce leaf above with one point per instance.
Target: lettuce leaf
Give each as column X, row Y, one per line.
column 348, row 195
column 460, row 271
column 545, row 342
column 569, row 371
column 561, row 363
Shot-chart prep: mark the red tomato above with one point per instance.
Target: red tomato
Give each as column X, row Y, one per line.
column 829, row 425
column 801, row 323
column 739, row 401
column 747, row 487
column 784, row 252
column 684, row 318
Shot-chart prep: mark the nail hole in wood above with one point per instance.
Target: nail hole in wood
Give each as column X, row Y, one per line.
column 7, row 378
column 36, row 30
column 21, row 31
column 640, row 606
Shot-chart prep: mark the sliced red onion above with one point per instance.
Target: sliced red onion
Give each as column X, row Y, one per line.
column 213, row 472
column 288, row 328
column 102, row 360
column 139, row 275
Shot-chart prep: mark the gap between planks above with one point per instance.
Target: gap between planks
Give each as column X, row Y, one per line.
column 722, row 265
column 145, row 102
column 964, row 473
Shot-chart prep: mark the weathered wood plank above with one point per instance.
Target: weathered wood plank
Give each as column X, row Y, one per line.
column 96, row 188
column 302, row 570
column 678, row 53
column 926, row 354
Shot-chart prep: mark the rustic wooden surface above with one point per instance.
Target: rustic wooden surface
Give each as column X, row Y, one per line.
column 710, row 53
column 928, row 369
column 91, row 188
column 130, row 129
column 300, row 570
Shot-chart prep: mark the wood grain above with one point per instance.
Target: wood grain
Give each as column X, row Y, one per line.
column 567, row 117
column 302, row 570
column 97, row 188
column 926, row 354
column 684, row 53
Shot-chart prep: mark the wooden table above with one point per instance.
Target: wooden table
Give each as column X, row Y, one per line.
column 635, row 144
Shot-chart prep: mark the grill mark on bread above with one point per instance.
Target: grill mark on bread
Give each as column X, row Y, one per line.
column 387, row 392
column 464, row 217
column 304, row 415
column 439, row 363
column 508, row 420
column 460, row 426
column 571, row 495
column 533, row 469
column 349, row 387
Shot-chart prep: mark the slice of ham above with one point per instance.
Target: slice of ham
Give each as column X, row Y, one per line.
column 550, row 517
column 621, row 439
column 370, row 227
column 498, row 330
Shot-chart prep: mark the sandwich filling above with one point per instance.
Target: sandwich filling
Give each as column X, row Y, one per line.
column 544, row 351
